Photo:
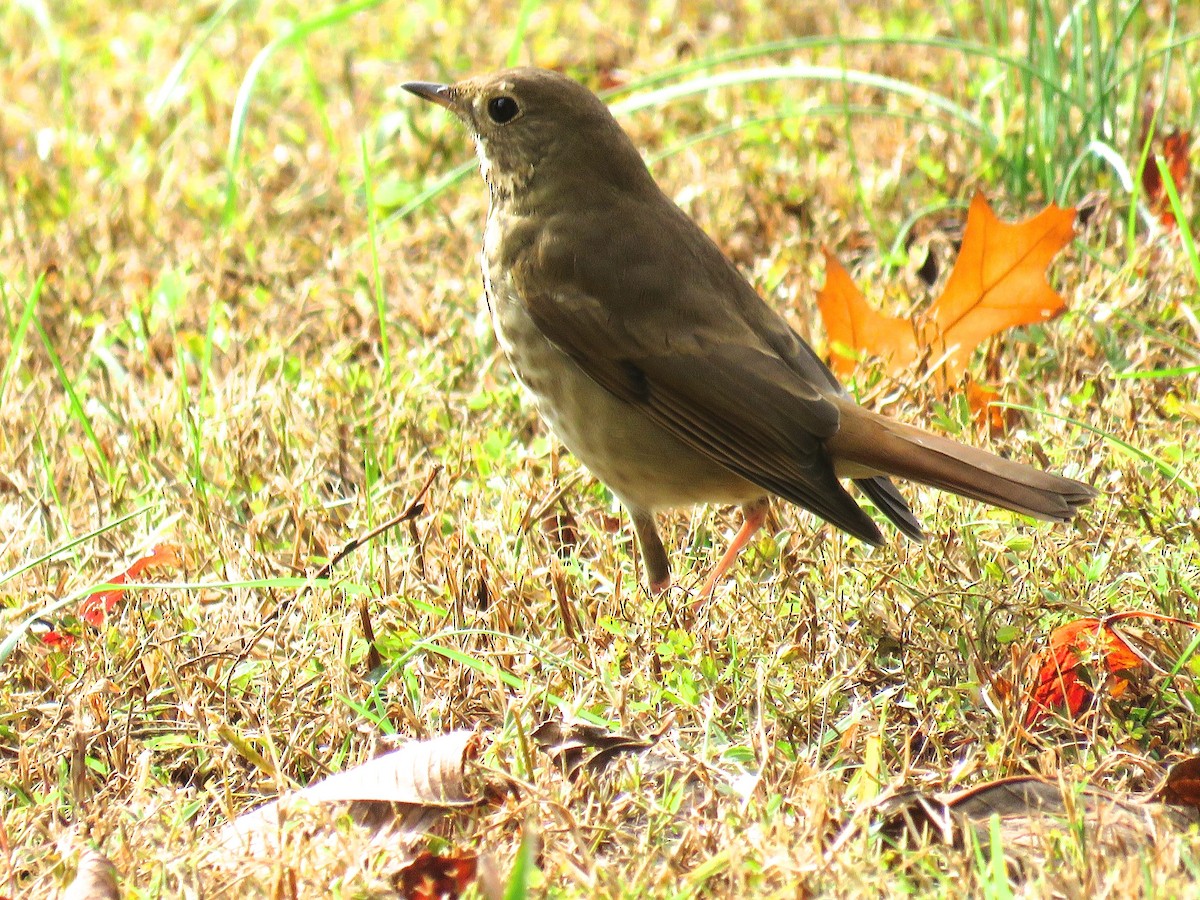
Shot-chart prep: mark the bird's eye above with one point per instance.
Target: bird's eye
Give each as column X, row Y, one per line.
column 502, row 109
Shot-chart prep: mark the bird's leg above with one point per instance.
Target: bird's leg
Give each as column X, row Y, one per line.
column 753, row 516
column 658, row 569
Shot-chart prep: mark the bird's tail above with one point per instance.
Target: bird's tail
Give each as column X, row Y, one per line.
column 868, row 444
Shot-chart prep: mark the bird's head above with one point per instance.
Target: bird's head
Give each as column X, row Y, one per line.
column 535, row 126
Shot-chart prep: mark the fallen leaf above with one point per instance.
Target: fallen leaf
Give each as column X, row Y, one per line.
column 998, row 282
column 979, row 400
column 1071, row 646
column 1027, row 810
column 430, row 877
column 1182, row 787
column 609, row 524
column 562, row 531
column 57, row 640
column 855, row 328
column 577, row 745
column 1058, row 682
column 95, row 607
column 404, row 791
column 1174, row 157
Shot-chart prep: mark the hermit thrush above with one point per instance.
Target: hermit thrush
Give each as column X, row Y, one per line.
column 654, row 360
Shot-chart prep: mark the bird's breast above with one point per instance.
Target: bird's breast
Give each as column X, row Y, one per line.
column 643, row 464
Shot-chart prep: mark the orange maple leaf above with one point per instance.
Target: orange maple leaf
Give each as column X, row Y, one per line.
column 998, row 282
column 855, row 328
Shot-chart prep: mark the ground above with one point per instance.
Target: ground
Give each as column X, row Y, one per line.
column 242, row 316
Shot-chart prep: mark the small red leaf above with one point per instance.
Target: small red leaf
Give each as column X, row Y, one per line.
column 1071, row 645
column 1175, row 147
column 430, row 877
column 96, row 606
column 59, row 640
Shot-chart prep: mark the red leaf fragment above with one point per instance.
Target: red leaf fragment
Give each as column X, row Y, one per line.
column 1071, row 645
column 1077, row 643
column 96, row 606
column 430, row 877
column 1175, row 147
column 58, row 640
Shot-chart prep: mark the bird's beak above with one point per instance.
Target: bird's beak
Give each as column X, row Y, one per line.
column 428, row 90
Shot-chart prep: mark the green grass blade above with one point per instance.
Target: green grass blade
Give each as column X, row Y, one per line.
column 77, row 411
column 451, row 178
column 74, row 542
column 523, row 867
column 18, row 338
column 1103, row 152
column 1181, row 222
column 1180, row 372
column 805, row 72
column 520, row 30
column 241, row 106
column 159, row 98
column 376, row 277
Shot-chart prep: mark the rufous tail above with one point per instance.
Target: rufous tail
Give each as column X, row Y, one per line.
column 869, row 444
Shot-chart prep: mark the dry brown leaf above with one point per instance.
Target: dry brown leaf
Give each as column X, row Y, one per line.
column 562, row 531
column 401, row 793
column 577, row 745
column 1027, row 810
column 1182, row 787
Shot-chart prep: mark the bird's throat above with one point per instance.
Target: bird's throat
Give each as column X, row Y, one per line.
column 505, row 178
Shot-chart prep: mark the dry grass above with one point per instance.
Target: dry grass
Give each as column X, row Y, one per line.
column 227, row 368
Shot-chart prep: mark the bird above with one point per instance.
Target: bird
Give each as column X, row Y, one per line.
column 656, row 362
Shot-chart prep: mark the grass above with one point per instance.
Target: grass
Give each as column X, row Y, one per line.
column 239, row 311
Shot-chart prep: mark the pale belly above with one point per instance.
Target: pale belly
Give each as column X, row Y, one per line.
column 644, row 465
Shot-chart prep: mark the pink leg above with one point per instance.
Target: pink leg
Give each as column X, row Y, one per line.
column 753, row 516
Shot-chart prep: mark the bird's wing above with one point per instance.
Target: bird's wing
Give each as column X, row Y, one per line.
column 681, row 335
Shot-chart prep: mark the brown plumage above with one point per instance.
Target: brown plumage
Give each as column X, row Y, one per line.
column 656, row 362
